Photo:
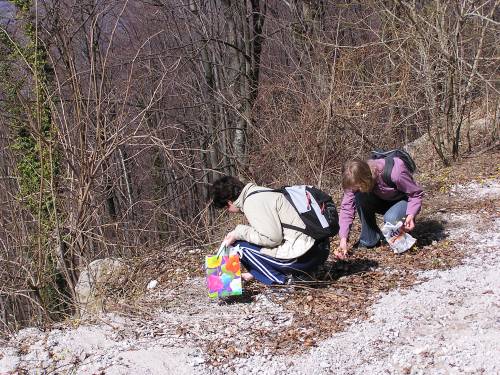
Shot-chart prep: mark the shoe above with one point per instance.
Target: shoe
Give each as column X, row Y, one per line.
column 299, row 278
column 360, row 246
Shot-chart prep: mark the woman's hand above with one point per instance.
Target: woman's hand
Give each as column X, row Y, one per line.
column 341, row 251
column 230, row 238
column 409, row 223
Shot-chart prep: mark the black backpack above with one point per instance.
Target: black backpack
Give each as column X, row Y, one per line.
column 389, row 162
column 315, row 208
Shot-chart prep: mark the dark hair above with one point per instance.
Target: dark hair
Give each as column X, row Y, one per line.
column 227, row 188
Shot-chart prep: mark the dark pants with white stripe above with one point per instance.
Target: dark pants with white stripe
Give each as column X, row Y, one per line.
column 269, row 270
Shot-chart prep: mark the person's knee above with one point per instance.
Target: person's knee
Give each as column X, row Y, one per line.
column 246, row 245
column 396, row 212
column 392, row 217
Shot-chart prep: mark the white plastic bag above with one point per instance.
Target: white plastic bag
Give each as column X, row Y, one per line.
column 232, row 250
column 398, row 240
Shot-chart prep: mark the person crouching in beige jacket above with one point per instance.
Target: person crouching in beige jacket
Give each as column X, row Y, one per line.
column 270, row 253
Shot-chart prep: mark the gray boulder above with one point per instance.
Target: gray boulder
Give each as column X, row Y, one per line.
column 98, row 280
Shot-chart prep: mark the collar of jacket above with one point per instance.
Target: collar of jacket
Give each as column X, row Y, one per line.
column 241, row 199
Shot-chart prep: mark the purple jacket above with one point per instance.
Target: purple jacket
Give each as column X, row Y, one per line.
column 405, row 186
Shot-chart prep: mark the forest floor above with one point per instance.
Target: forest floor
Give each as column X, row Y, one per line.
column 434, row 309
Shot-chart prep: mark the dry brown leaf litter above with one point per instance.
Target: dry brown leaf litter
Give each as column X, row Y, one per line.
column 292, row 319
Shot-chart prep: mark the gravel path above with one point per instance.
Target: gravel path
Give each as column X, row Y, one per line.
column 448, row 323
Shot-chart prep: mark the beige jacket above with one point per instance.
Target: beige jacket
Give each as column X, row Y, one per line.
column 265, row 212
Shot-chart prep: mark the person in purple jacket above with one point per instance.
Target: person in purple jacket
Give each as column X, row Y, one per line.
column 366, row 192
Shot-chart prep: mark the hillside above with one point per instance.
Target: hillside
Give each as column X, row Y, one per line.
column 118, row 121
column 429, row 310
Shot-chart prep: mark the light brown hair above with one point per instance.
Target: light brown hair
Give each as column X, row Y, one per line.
column 357, row 174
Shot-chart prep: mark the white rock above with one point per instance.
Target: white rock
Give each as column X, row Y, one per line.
column 152, row 284
column 198, row 361
column 324, row 364
column 98, row 274
column 419, row 350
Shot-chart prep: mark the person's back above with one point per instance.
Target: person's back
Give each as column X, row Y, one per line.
column 266, row 212
column 269, row 252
